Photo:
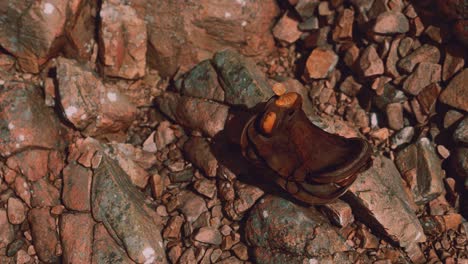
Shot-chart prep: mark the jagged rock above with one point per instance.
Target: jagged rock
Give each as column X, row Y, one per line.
column 44, row 234
column 76, row 193
column 202, row 82
column 77, row 246
column 198, row 151
column 26, row 122
column 391, row 22
column 106, row 250
column 92, row 107
column 321, row 63
column 7, row 231
column 185, row 34
column 295, row 235
column 378, row 199
column 243, row 83
column 460, row 135
column 424, row 74
column 421, row 162
column 425, row 53
column 456, row 92
column 122, row 209
column 197, row 114
column 122, row 41
column 246, row 196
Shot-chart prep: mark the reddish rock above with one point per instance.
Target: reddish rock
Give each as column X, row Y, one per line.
column 191, row 205
column 181, row 34
column 92, row 107
column 29, row 30
column 241, row 251
column 344, row 27
column 339, row 213
column 16, row 211
column 246, row 197
column 197, row 114
column 173, row 226
column 452, row 117
column 32, row 163
column 198, row 151
column 391, row 22
column 421, row 158
column 370, row 62
column 286, row 29
column 43, row 231
column 128, row 157
column 350, row 87
column 122, row 41
column 188, row 256
column 453, row 61
column 427, row 98
column 27, row 121
column 321, row 63
column 77, row 246
column 7, row 231
column 76, row 187
column 392, row 59
column 379, row 197
column 425, row 74
column 351, row 56
column 23, row 189
column 44, row 194
column 206, row 188
column 434, row 225
column 105, row 249
column 425, row 53
column 406, row 45
column 456, row 92
column 208, row 235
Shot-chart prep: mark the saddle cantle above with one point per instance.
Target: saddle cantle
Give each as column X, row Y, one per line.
column 312, row 165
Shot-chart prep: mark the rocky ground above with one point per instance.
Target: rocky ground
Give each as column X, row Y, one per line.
column 117, row 128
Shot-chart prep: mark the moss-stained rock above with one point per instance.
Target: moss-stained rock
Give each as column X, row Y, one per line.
column 283, row 232
column 243, row 83
column 121, row 208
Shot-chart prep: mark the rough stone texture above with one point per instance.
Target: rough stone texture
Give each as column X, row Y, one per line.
column 7, row 231
column 243, row 83
column 16, row 211
column 370, row 62
column 122, row 41
column 185, row 34
column 32, row 163
column 208, row 235
column 425, row 53
column 392, row 59
column 378, row 199
column 344, row 27
column 44, row 193
column 296, row 234
column 350, row 87
column 25, row 121
column 198, row 151
column 339, row 213
column 77, row 246
column 321, row 63
column 197, row 114
column 202, row 82
column 246, row 196
column 286, row 29
column 191, row 205
column 43, row 231
column 106, row 250
column 29, row 30
column 459, row 162
column 427, row 98
column 456, row 93
column 92, row 107
column 391, row 22
column 460, row 135
column 424, row 74
column 122, row 209
column 453, row 62
column 76, row 193
column 394, row 113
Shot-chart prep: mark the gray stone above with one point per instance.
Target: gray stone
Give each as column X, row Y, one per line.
column 243, row 83
column 282, row 232
column 461, row 133
column 378, row 199
column 106, row 250
column 122, row 209
column 202, row 82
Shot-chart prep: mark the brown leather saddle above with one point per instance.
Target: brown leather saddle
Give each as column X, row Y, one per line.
column 312, row 165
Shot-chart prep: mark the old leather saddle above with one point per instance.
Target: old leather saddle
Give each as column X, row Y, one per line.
column 312, row 165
